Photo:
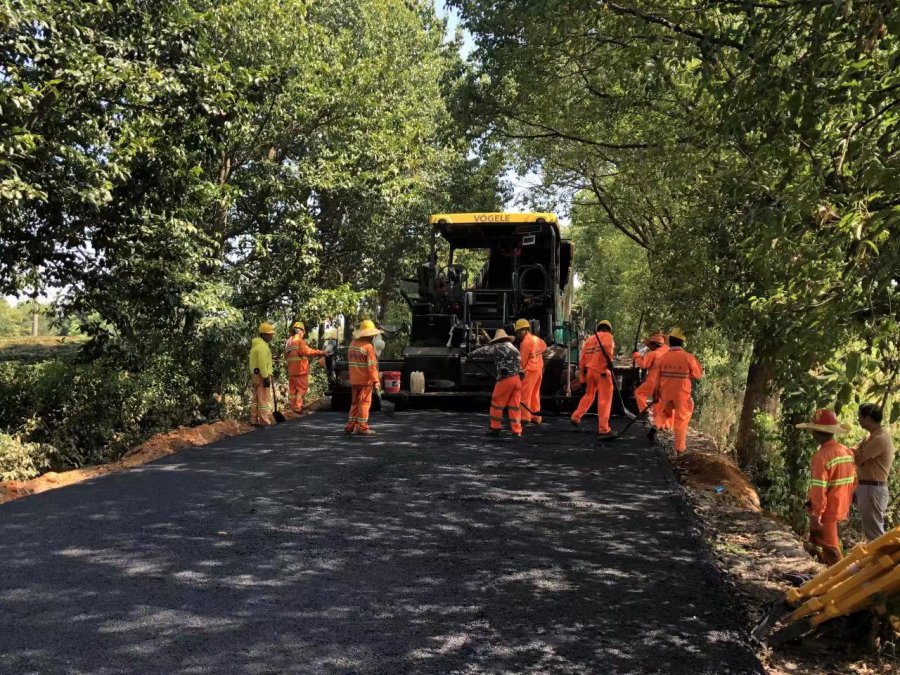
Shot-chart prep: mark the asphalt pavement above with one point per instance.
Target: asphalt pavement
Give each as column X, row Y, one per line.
column 429, row 548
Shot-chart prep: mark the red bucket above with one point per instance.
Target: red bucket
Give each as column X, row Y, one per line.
column 391, row 379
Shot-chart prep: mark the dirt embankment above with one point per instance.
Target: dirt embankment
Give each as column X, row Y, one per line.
column 158, row 446
column 755, row 552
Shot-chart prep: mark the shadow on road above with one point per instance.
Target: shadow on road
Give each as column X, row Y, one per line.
column 428, row 548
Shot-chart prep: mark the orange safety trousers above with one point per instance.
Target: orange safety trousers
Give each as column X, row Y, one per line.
column 599, row 384
column 827, row 540
column 680, row 410
column 261, row 405
column 298, row 385
column 661, row 420
column 507, row 398
column 531, row 396
column 359, row 408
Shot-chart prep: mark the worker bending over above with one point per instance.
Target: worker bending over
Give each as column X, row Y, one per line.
column 649, row 362
column 594, row 372
column 507, row 396
column 832, row 485
column 261, row 376
column 672, row 380
column 363, row 366
column 531, row 350
column 296, row 355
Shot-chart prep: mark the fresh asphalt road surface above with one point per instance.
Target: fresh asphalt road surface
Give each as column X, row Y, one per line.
column 429, row 548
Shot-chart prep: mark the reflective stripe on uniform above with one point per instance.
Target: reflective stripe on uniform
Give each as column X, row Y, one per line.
column 819, row 483
column 849, row 480
column 845, row 459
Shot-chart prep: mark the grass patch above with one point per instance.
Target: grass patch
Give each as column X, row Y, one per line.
column 37, row 349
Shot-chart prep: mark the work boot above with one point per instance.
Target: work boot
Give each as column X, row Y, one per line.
column 604, row 435
column 364, row 432
column 575, row 422
column 651, row 435
column 494, row 432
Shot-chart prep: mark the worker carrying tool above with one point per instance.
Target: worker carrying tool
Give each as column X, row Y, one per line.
column 363, row 366
column 507, row 396
column 649, row 362
column 594, row 373
column 261, row 376
column 296, row 355
column 531, row 351
column 833, row 481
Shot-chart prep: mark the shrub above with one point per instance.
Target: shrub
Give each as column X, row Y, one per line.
column 20, row 460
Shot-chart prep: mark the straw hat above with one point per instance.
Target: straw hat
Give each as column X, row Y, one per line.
column 826, row 422
column 604, row 322
column 501, row 336
column 366, row 329
column 678, row 334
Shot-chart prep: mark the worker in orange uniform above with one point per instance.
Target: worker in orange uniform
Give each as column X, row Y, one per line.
column 363, row 365
column 507, row 396
column 832, row 485
column 531, row 353
column 593, row 371
column 296, row 355
column 672, row 380
column 649, row 362
column 261, row 376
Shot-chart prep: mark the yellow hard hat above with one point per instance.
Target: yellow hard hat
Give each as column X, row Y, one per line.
column 523, row 323
column 266, row 328
column 298, row 324
column 678, row 334
column 604, row 322
column 366, row 329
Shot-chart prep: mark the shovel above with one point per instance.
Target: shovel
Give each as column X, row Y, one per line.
column 386, row 406
column 278, row 415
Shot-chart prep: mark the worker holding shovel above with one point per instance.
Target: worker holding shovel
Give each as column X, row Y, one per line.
column 594, row 371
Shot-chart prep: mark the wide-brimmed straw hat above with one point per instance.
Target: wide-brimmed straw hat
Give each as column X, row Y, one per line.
column 826, row 422
column 501, row 336
column 366, row 329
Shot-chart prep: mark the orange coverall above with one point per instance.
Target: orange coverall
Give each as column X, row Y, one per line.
column 296, row 355
column 598, row 379
column 830, row 494
column 507, row 396
column 532, row 362
column 364, row 375
column 648, row 362
column 672, row 379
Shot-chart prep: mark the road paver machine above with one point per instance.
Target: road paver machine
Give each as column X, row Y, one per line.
column 525, row 272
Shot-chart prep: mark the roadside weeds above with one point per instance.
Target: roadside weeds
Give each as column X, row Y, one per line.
column 754, row 551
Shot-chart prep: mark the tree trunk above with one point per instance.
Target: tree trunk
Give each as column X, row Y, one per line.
column 35, row 324
column 759, row 396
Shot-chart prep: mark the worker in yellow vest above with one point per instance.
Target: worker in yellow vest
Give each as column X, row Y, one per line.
column 261, row 376
column 296, row 355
